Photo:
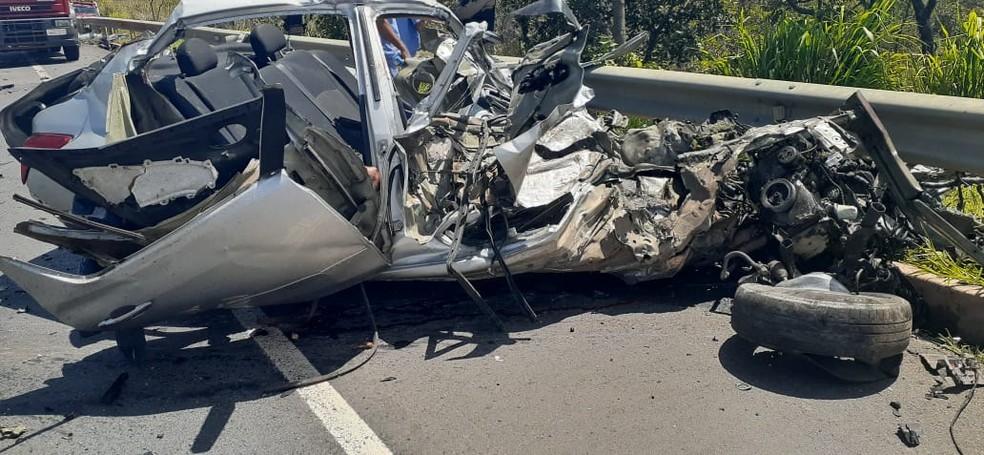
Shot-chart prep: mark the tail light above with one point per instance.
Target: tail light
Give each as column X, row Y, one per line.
column 48, row 140
column 44, row 141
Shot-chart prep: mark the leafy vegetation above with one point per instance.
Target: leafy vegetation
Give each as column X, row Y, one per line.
column 967, row 199
column 851, row 49
column 149, row 10
column 954, row 345
column 927, row 257
column 957, row 66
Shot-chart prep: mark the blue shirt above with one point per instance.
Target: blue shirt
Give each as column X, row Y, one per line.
column 406, row 29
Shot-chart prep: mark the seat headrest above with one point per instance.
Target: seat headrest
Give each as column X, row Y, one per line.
column 195, row 56
column 267, row 40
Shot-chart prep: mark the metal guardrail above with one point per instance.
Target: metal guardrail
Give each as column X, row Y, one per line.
column 936, row 130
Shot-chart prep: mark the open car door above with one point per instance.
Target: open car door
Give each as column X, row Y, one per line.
column 283, row 229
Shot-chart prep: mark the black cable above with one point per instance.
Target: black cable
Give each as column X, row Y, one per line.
column 344, row 369
column 966, row 402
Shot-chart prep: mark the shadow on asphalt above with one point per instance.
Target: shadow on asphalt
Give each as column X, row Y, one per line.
column 192, row 363
column 789, row 375
column 22, row 59
column 189, row 366
column 455, row 329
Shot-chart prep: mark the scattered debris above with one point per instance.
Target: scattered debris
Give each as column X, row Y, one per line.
column 6, row 86
column 743, row 387
column 896, row 408
column 160, row 435
column 498, row 359
column 909, row 434
column 113, row 392
column 365, row 346
column 256, row 332
column 12, row 432
column 388, row 379
column 23, row 310
column 294, row 336
column 952, row 372
column 572, row 329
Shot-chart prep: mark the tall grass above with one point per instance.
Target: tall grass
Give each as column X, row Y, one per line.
column 941, row 263
column 967, row 199
column 851, row 48
column 957, row 67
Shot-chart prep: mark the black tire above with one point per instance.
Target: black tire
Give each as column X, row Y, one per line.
column 868, row 327
column 71, row 53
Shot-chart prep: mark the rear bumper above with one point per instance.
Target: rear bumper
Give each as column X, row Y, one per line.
column 29, row 34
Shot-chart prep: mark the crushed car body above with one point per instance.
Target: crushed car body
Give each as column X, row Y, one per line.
column 242, row 173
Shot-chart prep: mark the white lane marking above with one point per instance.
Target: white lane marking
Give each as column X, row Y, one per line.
column 41, row 72
column 342, row 422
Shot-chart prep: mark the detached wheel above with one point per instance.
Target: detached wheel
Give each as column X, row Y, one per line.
column 869, row 327
column 71, row 53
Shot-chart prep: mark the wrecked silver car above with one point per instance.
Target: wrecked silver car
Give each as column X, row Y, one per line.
column 256, row 171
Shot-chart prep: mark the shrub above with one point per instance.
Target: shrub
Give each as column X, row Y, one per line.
column 856, row 48
column 957, row 67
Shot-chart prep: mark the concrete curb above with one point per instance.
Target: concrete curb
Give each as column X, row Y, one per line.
column 950, row 305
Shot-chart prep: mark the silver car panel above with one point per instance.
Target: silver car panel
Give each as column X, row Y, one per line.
column 275, row 242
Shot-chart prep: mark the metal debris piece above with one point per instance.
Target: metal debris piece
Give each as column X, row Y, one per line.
column 743, row 387
column 388, row 379
column 23, row 310
column 113, row 392
column 909, row 434
column 256, row 332
column 12, row 432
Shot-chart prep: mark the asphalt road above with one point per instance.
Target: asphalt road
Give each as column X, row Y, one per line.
column 653, row 368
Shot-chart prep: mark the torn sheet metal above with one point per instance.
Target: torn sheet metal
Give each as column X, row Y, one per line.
column 502, row 170
column 547, row 180
column 514, row 156
column 152, row 183
column 575, row 131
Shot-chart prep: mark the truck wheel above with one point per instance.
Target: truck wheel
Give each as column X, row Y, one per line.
column 71, row 53
column 868, row 327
